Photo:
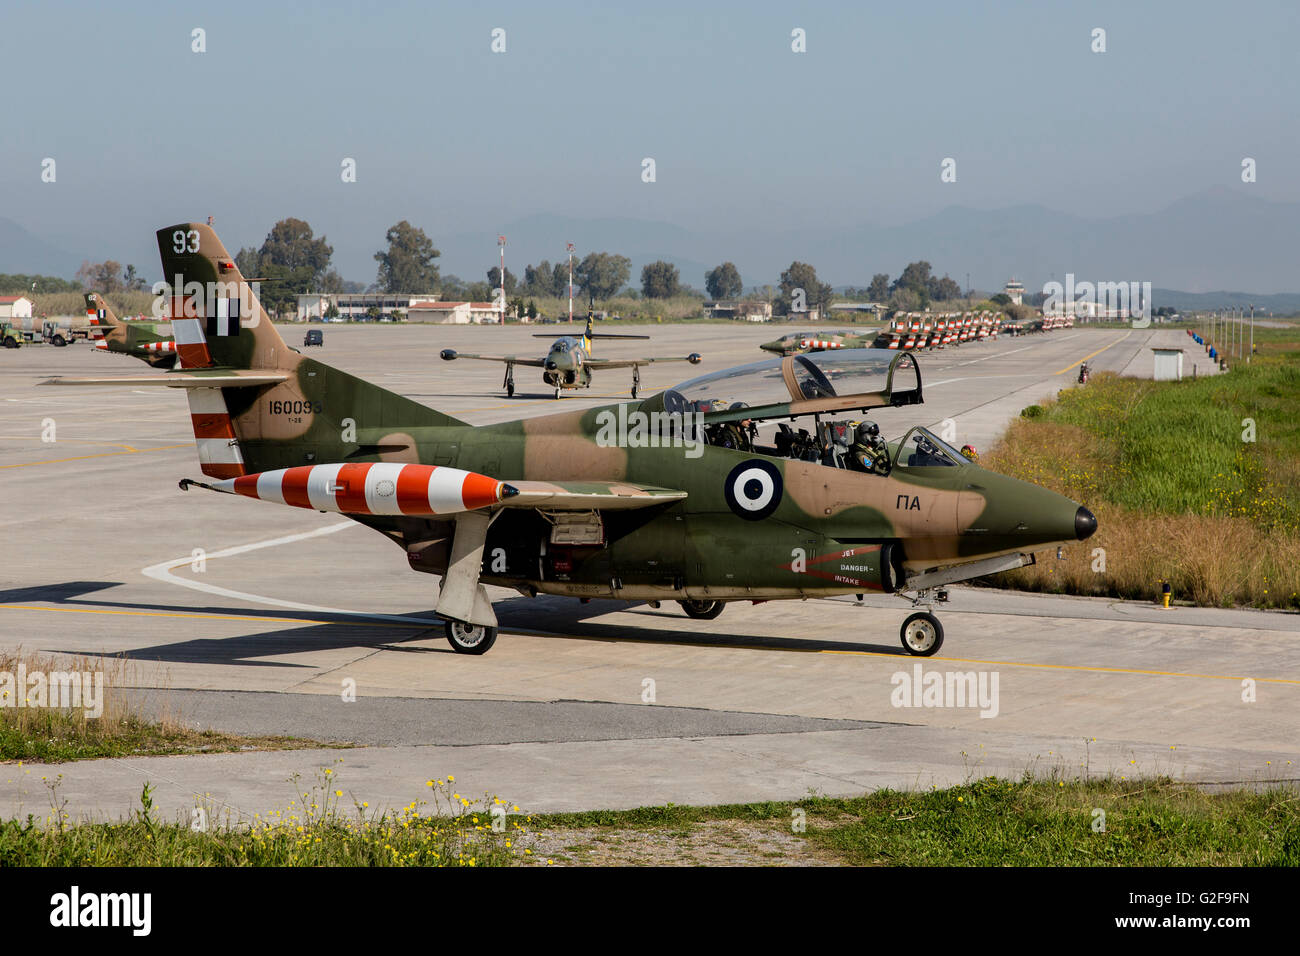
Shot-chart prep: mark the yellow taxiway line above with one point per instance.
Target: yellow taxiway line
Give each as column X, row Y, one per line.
column 667, row 642
column 102, row 454
column 194, row 615
column 1098, row 352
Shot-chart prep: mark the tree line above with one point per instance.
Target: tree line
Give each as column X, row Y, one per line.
column 292, row 261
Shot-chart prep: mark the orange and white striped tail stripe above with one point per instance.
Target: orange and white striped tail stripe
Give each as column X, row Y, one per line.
column 372, row 488
column 187, row 330
column 214, row 434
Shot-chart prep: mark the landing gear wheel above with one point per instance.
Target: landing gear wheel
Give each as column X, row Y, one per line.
column 634, row 391
column 470, row 638
column 557, row 392
column 510, row 390
column 921, row 634
column 703, row 610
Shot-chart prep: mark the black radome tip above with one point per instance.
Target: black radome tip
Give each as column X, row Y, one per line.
column 1085, row 523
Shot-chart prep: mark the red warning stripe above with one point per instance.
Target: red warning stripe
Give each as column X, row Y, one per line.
column 223, row 469
column 351, row 485
column 479, row 491
column 293, row 486
column 413, row 489
column 212, row 426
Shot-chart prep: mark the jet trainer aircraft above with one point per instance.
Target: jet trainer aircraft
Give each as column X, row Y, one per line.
column 569, row 363
column 799, row 343
column 144, row 344
column 652, row 500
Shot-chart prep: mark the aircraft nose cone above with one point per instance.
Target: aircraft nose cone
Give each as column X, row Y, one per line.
column 1085, row 523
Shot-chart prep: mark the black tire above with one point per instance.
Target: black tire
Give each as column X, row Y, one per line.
column 634, row 391
column 510, row 390
column 470, row 638
column 60, row 341
column 557, row 392
column 703, row 610
column 11, row 342
column 926, row 634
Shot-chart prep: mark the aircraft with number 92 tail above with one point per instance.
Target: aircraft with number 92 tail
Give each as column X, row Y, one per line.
column 743, row 484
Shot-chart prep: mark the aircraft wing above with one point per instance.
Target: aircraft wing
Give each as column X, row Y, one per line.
column 228, row 379
column 450, row 354
column 588, row 495
column 693, row 358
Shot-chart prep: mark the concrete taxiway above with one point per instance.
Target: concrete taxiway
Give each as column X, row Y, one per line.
column 608, row 704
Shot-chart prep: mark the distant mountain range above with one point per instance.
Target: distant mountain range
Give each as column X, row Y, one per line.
column 23, row 253
column 1214, row 240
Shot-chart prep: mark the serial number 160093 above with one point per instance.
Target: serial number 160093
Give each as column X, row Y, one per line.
column 292, row 407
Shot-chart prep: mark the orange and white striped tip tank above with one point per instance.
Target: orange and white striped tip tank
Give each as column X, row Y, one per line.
column 373, row 488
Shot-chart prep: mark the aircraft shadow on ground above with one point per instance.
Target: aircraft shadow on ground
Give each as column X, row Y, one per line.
column 547, row 617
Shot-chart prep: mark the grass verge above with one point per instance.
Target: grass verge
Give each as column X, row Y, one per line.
column 41, row 731
column 314, row 829
column 989, row 822
column 1196, row 482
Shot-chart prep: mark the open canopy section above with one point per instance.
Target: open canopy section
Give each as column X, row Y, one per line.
column 819, row 383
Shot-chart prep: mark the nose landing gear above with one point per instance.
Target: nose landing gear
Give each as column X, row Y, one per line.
column 922, row 634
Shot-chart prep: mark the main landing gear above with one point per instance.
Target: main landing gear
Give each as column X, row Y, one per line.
column 470, row 638
column 922, row 634
column 703, row 610
column 636, row 379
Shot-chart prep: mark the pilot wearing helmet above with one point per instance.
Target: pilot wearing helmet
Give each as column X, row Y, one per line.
column 732, row 434
column 868, row 451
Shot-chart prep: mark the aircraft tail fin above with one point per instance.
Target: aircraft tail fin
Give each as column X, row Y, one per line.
column 316, row 414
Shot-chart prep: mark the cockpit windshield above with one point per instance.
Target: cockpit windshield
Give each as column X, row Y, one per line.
column 922, row 448
column 561, row 345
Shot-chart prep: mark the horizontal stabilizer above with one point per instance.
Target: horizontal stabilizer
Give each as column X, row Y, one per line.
column 181, row 380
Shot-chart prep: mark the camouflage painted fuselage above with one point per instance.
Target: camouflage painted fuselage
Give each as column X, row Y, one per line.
column 831, row 531
column 733, row 525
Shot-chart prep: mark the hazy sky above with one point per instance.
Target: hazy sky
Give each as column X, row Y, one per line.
column 744, row 132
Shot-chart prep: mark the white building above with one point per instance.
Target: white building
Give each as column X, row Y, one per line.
column 354, row 307
column 15, row 307
column 752, row 310
column 455, row 313
column 1015, row 291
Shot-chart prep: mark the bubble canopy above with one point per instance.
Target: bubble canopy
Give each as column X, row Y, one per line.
column 821, row 382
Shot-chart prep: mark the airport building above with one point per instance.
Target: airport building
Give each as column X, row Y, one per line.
column 15, row 307
column 360, row 307
column 1015, row 291
column 751, row 310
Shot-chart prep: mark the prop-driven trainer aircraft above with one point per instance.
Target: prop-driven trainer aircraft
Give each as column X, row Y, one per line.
column 144, row 344
column 681, row 496
column 569, row 363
